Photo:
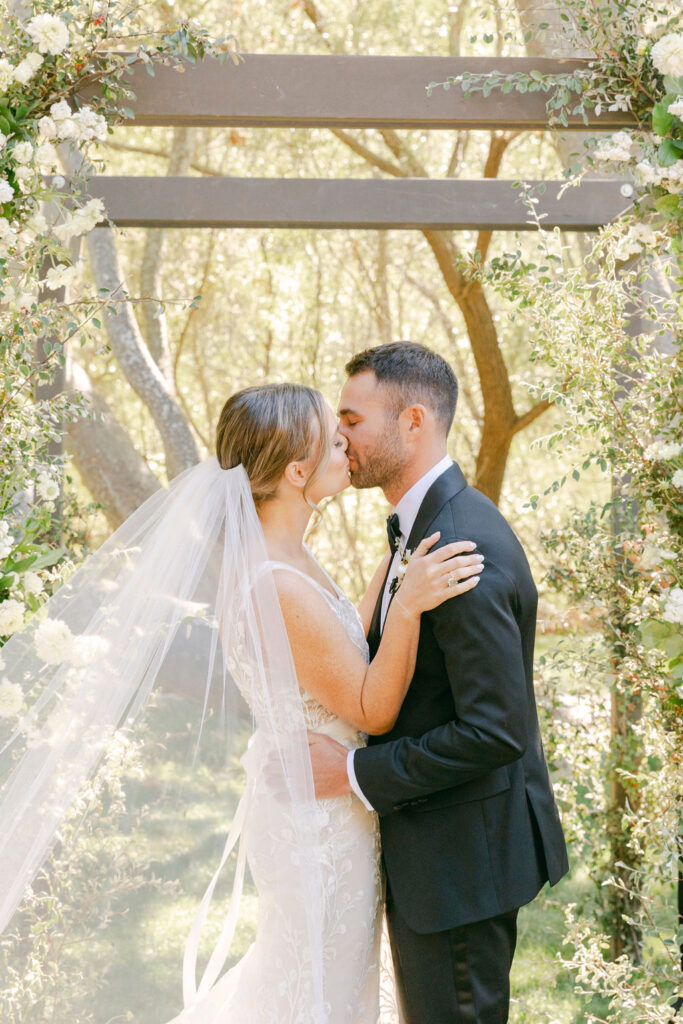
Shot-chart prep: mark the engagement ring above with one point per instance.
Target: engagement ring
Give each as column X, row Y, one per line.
column 452, row 581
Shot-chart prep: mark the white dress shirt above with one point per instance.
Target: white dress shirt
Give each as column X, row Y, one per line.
column 406, row 510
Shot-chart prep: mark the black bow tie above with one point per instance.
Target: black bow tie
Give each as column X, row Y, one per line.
column 393, row 532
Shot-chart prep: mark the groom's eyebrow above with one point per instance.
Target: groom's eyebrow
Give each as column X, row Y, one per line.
column 347, row 412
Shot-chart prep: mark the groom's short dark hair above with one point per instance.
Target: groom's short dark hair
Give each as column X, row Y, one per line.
column 414, row 373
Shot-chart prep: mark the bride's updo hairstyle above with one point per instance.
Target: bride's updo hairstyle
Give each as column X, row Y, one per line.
column 265, row 427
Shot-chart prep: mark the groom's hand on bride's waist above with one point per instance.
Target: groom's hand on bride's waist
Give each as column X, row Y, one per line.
column 328, row 759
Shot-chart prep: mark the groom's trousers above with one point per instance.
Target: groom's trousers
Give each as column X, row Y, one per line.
column 460, row 976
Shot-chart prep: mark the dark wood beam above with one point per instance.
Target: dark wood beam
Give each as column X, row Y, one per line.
column 309, row 90
column 407, row 203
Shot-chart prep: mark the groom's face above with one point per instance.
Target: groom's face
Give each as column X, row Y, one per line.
column 368, row 419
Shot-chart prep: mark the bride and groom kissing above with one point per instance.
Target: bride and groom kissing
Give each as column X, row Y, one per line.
column 436, row 671
column 395, row 769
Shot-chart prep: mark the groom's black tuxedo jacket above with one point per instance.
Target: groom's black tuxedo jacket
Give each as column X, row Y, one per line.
column 467, row 814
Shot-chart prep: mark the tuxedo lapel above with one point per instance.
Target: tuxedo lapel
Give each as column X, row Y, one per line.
column 442, row 490
column 374, row 633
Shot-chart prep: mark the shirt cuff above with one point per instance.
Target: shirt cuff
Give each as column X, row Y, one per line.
column 353, row 781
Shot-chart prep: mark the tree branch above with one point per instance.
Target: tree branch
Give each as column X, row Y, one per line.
column 369, row 155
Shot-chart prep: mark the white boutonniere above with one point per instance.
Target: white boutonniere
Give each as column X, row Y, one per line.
column 404, row 554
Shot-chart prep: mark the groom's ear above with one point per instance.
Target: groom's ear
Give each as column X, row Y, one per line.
column 413, row 419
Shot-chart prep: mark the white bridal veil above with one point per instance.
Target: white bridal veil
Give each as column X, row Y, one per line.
column 147, row 695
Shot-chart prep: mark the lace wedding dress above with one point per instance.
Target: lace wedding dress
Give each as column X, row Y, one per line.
column 270, row 984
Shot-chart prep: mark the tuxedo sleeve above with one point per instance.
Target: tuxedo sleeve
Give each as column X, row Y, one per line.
column 480, row 640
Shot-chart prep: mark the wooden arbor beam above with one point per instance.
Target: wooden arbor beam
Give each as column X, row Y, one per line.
column 331, row 91
column 405, row 203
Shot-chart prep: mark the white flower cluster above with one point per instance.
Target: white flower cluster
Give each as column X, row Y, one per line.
column 667, row 54
column 617, row 148
column 673, row 609
column 46, row 487
column 11, row 616
column 6, row 540
column 20, row 74
column 54, row 643
column 677, row 479
column 676, row 107
column 32, row 583
column 11, row 699
column 83, row 125
column 81, row 221
column 49, row 33
column 632, row 243
column 671, row 178
column 662, row 451
column 60, row 277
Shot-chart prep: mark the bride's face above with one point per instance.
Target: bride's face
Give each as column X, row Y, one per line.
column 335, row 477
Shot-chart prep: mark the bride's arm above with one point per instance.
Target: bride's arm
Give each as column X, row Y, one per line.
column 331, row 668
column 368, row 601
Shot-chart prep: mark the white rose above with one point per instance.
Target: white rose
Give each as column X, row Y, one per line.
column 68, row 129
column 11, row 699
column 676, row 107
column 23, row 72
column 11, row 616
column 6, row 191
column 667, row 54
column 60, row 111
column 32, row 583
column 90, row 125
column 47, row 128
column 27, row 68
column 22, row 152
column 59, row 277
column 677, row 479
column 46, row 156
column 6, row 75
column 646, row 173
column 673, row 609
column 49, row 33
column 23, row 173
column 53, row 641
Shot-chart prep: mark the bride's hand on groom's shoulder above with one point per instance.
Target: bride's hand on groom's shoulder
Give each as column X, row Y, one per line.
column 432, row 577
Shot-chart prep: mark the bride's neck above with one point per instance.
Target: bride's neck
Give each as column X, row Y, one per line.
column 284, row 522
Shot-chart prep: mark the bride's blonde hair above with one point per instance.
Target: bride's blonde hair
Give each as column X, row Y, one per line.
column 267, row 426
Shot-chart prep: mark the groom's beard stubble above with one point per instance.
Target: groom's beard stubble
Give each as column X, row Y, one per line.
column 382, row 465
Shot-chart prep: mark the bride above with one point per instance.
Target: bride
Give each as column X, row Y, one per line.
column 217, row 568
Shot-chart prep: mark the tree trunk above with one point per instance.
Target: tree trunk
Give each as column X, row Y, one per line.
column 128, row 346
column 113, row 471
column 154, row 326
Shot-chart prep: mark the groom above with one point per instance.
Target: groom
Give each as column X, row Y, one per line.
column 470, row 830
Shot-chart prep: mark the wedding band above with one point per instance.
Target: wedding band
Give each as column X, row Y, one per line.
column 452, row 582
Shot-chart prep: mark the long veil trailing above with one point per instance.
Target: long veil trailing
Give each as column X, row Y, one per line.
column 163, row 663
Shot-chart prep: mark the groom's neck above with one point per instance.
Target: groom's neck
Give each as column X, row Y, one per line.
column 412, row 472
